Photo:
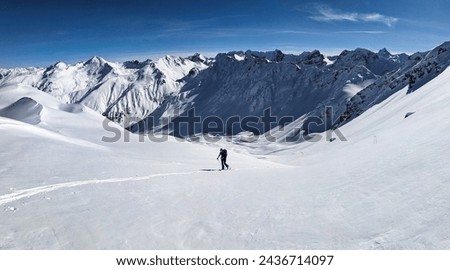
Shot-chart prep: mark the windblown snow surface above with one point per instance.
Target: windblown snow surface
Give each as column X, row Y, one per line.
column 385, row 187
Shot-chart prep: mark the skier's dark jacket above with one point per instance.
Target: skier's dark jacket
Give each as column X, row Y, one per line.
column 223, row 153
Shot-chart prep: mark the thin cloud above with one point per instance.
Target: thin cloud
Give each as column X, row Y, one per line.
column 326, row 14
column 371, row 32
column 298, row 32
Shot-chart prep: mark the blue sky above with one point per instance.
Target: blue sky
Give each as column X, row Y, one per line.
column 40, row 33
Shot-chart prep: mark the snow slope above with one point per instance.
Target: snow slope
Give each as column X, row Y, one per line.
column 25, row 109
column 386, row 187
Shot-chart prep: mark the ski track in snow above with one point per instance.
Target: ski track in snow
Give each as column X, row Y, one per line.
column 25, row 193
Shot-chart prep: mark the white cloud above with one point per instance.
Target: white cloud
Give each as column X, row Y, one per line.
column 326, row 14
column 360, row 32
column 292, row 32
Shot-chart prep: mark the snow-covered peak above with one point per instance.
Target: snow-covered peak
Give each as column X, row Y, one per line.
column 358, row 55
column 384, row 53
column 99, row 67
column 441, row 50
column 378, row 63
column 270, row 56
column 198, row 58
column 169, row 59
column 314, row 57
column 96, row 60
column 60, row 65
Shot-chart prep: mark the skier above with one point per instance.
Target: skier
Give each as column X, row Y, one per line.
column 223, row 158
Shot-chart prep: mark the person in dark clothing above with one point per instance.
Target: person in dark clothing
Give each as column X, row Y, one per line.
column 223, row 158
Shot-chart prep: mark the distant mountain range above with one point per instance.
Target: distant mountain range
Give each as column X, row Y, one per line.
column 235, row 84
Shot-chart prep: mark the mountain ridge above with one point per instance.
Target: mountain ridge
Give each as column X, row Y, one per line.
column 139, row 95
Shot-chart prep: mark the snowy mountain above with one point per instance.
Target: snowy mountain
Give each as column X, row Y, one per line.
column 291, row 85
column 305, row 88
column 421, row 69
column 112, row 89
